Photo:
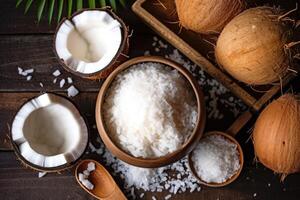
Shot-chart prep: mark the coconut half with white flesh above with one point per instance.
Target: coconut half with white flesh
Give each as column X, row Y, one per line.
column 91, row 43
column 48, row 133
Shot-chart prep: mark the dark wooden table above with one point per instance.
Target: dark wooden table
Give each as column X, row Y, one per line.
column 26, row 44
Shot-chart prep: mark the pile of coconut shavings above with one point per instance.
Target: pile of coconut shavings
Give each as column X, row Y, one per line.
column 216, row 95
column 146, row 100
column 174, row 178
column 216, row 159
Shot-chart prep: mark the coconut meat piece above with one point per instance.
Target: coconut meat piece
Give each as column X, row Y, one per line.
column 89, row 41
column 49, row 131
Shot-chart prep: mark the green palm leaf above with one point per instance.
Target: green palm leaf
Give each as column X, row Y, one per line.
column 40, row 9
column 102, row 3
column 123, row 3
column 60, row 8
column 27, row 6
column 92, row 3
column 69, row 8
column 18, row 3
column 79, row 4
column 113, row 4
column 50, row 13
column 70, row 2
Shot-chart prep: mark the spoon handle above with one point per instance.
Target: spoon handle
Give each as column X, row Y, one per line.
column 116, row 195
column 239, row 123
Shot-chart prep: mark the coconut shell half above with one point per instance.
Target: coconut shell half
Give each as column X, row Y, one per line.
column 49, row 134
column 84, row 22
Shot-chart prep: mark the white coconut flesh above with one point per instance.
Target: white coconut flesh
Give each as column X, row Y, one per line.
column 89, row 41
column 49, row 131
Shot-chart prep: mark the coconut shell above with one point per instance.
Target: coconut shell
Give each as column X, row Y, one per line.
column 119, row 58
column 25, row 163
column 251, row 47
column 276, row 135
column 207, row 16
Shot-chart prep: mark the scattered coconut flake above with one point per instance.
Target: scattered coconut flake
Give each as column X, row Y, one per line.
column 269, row 184
column 54, row 80
column 87, row 184
column 41, row 84
column 147, row 53
column 62, row 83
column 91, row 166
column 42, row 174
column 255, row 194
column 82, row 176
column 70, row 80
column 20, row 70
column 26, row 72
column 72, row 91
column 168, row 197
column 56, row 73
column 86, row 172
column 153, row 198
column 28, row 78
column 142, row 195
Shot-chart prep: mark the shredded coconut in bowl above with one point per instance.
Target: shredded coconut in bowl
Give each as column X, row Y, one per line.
column 216, row 159
column 150, row 110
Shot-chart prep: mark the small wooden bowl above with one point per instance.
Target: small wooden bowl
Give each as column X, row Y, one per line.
column 230, row 180
column 169, row 158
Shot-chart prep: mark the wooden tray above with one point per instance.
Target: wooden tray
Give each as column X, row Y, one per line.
column 161, row 17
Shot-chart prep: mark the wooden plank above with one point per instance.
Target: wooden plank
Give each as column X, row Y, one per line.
column 35, row 51
column 16, row 182
column 17, row 23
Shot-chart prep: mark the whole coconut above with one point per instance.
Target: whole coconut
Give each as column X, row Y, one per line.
column 276, row 135
column 207, row 16
column 251, row 46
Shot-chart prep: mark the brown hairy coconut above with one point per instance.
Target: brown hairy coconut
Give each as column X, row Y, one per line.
column 251, row 47
column 207, row 16
column 276, row 135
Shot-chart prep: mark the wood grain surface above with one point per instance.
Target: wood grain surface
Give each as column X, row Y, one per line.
column 26, row 44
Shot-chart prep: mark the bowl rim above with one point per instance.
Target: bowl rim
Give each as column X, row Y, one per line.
column 186, row 148
column 232, row 178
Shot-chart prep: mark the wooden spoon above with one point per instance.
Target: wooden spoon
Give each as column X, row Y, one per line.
column 105, row 187
column 231, row 132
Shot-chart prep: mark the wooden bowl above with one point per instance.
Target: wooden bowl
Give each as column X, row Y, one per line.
column 231, row 179
column 171, row 157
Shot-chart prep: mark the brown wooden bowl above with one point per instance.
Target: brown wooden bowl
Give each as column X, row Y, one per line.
column 231, row 179
column 171, row 157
